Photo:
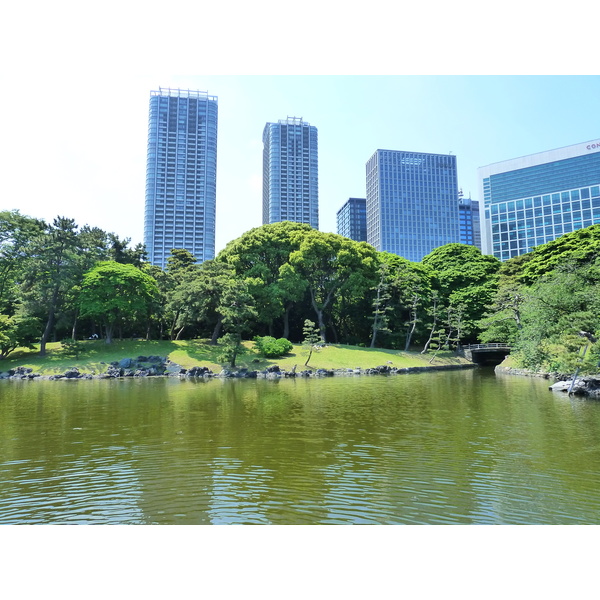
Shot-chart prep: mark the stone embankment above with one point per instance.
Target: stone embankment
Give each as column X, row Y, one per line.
column 157, row 366
column 583, row 386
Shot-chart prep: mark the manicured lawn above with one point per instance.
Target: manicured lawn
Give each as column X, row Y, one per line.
column 96, row 355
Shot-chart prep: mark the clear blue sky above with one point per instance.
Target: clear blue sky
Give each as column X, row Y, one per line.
column 90, row 136
column 75, row 81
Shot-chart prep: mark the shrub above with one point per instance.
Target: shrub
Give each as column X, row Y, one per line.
column 269, row 347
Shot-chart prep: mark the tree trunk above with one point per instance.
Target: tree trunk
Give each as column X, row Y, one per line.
column 178, row 336
column 286, row 322
column 49, row 323
column 309, row 355
column 409, row 336
column 373, row 337
column 335, row 335
column 426, row 347
column 108, row 329
column 173, row 324
column 74, row 330
column 413, row 314
column 216, row 331
column 433, row 326
column 319, row 312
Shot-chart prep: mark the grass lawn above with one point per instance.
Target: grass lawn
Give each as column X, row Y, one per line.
column 96, row 355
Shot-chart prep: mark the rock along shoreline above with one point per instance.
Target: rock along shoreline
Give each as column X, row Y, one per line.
column 158, row 366
column 588, row 385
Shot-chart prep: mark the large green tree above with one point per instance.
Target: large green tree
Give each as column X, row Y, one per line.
column 579, row 247
column 466, row 281
column 17, row 331
column 54, row 268
column 559, row 316
column 17, row 233
column 259, row 256
column 333, row 267
column 236, row 306
column 113, row 292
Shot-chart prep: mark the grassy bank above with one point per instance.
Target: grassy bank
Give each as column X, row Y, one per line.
column 96, row 355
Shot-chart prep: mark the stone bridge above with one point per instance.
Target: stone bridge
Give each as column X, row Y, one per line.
column 485, row 354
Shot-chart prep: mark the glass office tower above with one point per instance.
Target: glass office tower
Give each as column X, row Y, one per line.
column 412, row 202
column 535, row 199
column 470, row 223
column 352, row 219
column 290, row 172
column 181, row 174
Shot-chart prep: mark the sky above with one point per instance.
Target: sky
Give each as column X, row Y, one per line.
column 90, row 136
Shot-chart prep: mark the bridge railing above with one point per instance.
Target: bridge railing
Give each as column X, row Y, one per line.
column 485, row 346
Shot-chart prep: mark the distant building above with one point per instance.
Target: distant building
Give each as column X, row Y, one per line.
column 412, row 202
column 352, row 219
column 535, row 199
column 469, row 221
column 290, row 172
column 181, row 174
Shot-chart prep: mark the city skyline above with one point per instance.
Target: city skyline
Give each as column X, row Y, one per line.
column 479, row 119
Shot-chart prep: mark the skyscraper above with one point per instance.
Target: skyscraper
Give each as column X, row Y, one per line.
column 470, row 224
column 352, row 219
column 535, row 199
column 181, row 174
column 290, row 172
column 412, row 202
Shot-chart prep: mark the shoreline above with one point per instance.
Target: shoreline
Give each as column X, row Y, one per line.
column 165, row 368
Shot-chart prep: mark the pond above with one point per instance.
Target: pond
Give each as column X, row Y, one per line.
column 460, row 447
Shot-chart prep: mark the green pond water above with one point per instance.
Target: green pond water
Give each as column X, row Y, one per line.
column 456, row 447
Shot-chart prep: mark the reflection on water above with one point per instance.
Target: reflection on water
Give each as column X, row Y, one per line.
column 441, row 448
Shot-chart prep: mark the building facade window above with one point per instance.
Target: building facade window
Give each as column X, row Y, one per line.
column 535, row 199
column 352, row 219
column 412, row 202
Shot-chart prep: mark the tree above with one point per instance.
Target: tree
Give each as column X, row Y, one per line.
column 332, row 266
column 17, row 331
column 578, row 248
column 556, row 309
column 381, row 305
column 464, row 277
column 312, row 339
column 113, row 292
column 259, row 256
column 119, row 251
column 54, row 269
column 16, row 235
column 237, row 309
column 180, row 290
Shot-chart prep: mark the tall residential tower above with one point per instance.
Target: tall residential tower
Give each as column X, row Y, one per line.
column 181, row 174
column 290, row 172
column 535, row 199
column 412, row 202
